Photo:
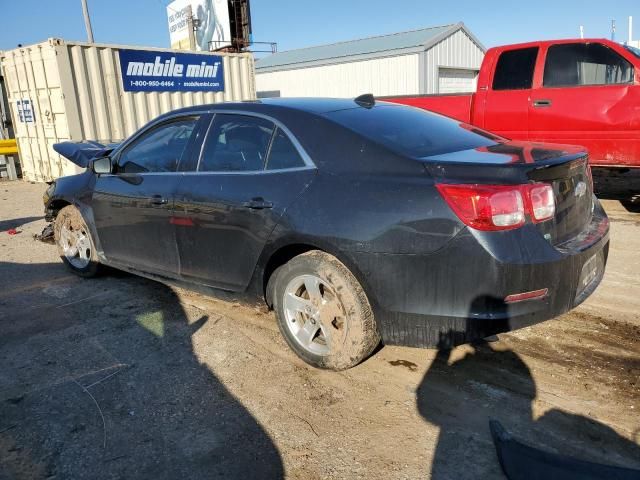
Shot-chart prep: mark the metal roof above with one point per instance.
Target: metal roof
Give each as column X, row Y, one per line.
column 371, row 47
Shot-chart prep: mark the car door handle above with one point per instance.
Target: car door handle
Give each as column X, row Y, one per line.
column 542, row 103
column 158, row 200
column 257, row 203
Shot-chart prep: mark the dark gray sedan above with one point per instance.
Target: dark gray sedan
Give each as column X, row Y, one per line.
column 355, row 221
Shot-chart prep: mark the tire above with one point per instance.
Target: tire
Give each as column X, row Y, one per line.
column 74, row 242
column 631, row 204
column 322, row 311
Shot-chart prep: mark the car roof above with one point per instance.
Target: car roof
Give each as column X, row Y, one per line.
column 313, row 105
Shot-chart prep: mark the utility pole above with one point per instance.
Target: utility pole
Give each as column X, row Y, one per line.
column 190, row 26
column 87, row 21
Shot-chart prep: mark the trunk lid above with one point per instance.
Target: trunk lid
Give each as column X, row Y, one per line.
column 564, row 167
column 573, row 189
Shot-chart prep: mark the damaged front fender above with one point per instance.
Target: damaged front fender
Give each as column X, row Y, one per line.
column 69, row 190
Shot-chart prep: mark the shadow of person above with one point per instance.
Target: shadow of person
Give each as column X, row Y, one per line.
column 466, row 387
column 102, row 380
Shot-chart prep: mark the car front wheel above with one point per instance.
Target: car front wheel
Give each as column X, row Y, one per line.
column 74, row 242
column 323, row 312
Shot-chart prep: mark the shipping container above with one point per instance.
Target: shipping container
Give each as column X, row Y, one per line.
column 59, row 90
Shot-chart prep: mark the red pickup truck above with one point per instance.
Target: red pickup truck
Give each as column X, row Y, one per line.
column 580, row 92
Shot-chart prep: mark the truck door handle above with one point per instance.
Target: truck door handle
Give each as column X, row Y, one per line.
column 542, row 103
column 158, row 200
column 257, row 203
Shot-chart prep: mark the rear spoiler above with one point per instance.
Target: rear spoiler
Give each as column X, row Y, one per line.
column 81, row 153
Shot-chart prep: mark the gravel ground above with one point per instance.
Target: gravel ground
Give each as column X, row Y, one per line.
column 122, row 377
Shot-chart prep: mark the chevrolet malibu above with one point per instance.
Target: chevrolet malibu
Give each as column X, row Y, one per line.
column 356, row 221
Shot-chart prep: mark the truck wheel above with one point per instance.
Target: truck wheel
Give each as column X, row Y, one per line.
column 75, row 245
column 632, row 204
column 323, row 312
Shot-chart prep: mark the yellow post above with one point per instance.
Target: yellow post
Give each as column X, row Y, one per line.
column 8, row 147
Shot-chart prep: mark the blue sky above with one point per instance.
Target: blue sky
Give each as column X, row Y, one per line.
column 299, row 23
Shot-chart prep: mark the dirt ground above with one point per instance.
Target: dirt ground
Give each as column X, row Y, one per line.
column 122, row 377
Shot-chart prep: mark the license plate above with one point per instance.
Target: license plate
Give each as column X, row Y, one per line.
column 589, row 272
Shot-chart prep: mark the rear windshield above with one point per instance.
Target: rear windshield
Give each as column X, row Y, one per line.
column 412, row 131
column 634, row 50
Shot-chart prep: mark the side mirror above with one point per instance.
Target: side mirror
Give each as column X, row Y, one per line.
column 102, row 165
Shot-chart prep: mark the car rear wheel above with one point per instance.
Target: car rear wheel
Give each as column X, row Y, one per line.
column 74, row 242
column 323, row 312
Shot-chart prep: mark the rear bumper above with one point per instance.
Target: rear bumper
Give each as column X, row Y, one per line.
column 456, row 295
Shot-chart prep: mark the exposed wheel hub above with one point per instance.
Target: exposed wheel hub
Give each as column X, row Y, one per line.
column 75, row 245
column 314, row 313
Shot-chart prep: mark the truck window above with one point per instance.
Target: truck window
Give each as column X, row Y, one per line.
column 514, row 70
column 574, row 64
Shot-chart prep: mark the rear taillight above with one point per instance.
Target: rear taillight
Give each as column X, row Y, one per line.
column 499, row 207
column 486, row 207
column 543, row 203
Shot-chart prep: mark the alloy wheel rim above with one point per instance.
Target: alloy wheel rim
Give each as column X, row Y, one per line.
column 314, row 314
column 75, row 245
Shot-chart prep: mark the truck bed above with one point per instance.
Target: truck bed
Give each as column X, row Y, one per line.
column 455, row 105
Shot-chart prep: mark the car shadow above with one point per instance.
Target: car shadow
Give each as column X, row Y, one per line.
column 16, row 222
column 101, row 380
column 466, row 387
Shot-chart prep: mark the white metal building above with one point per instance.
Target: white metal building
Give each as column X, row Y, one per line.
column 443, row 59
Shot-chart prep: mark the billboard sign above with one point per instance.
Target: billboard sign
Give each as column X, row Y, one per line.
column 213, row 24
column 148, row 71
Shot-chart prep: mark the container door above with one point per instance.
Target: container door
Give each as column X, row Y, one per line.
column 586, row 99
column 35, row 96
column 507, row 99
column 133, row 207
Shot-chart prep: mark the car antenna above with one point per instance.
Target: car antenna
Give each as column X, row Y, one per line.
column 366, row 100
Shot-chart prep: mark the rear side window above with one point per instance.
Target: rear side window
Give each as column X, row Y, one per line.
column 236, row 143
column 576, row 64
column 514, row 70
column 160, row 149
column 411, row 131
column 283, row 153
